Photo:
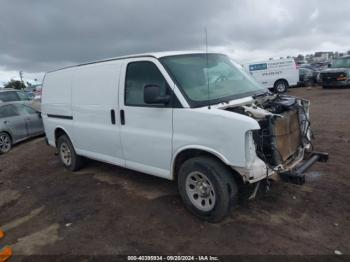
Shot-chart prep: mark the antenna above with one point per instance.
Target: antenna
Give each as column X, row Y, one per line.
column 206, row 54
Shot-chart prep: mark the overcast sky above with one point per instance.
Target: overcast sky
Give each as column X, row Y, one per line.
column 40, row 35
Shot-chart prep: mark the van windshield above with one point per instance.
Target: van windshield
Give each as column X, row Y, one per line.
column 210, row 78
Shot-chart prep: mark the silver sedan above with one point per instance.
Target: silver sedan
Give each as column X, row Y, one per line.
column 18, row 121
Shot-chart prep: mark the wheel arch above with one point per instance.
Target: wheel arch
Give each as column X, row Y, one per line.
column 280, row 79
column 187, row 152
column 59, row 131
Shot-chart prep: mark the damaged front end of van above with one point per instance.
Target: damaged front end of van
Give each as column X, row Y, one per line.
column 282, row 146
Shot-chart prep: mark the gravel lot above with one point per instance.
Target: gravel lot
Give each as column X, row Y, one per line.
column 104, row 209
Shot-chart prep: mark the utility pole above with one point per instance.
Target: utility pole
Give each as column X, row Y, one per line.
column 21, row 76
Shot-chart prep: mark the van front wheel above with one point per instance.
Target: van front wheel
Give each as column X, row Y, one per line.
column 207, row 188
column 281, row 86
column 69, row 158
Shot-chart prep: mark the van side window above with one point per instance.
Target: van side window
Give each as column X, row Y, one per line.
column 139, row 74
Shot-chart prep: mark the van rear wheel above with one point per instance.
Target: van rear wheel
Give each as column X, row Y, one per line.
column 281, row 86
column 69, row 158
column 207, row 188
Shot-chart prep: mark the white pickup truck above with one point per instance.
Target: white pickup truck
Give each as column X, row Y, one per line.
column 193, row 117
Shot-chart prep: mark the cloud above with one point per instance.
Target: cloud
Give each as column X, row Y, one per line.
column 37, row 36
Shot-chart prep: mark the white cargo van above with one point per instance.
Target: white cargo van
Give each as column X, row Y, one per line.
column 195, row 118
column 276, row 74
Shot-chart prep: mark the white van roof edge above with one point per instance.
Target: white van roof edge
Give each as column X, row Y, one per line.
column 152, row 54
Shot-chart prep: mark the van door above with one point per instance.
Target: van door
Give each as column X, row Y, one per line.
column 94, row 107
column 146, row 130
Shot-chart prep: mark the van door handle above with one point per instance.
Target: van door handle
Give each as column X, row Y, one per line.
column 122, row 117
column 113, row 116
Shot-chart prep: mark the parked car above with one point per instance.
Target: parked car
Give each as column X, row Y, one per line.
column 307, row 76
column 275, row 74
column 338, row 75
column 18, row 121
column 10, row 95
column 195, row 118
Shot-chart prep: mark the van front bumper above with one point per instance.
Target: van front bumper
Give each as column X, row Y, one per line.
column 296, row 174
column 345, row 83
column 293, row 173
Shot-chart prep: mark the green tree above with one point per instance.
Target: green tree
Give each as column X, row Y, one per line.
column 15, row 84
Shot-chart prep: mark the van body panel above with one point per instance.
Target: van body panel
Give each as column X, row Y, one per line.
column 56, row 102
column 203, row 128
column 58, row 86
column 94, row 95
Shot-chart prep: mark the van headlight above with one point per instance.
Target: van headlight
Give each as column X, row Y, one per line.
column 250, row 150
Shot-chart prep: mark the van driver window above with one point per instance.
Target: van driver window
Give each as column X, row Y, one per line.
column 138, row 75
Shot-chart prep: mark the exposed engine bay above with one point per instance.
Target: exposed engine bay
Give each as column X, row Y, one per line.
column 284, row 127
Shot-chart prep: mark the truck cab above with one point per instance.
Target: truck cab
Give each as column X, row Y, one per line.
column 337, row 75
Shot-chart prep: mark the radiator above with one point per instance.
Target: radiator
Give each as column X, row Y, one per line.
column 286, row 135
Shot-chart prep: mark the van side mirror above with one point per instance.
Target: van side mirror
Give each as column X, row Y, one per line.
column 152, row 95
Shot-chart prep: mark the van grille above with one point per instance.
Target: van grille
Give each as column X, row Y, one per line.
column 330, row 77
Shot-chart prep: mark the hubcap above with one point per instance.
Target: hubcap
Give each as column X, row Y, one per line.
column 65, row 154
column 281, row 87
column 200, row 191
column 5, row 143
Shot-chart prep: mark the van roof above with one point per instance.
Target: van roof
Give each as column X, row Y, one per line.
column 151, row 54
column 269, row 60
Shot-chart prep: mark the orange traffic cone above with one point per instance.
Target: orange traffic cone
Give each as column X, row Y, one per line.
column 5, row 253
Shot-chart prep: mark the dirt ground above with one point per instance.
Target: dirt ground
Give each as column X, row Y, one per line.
column 108, row 210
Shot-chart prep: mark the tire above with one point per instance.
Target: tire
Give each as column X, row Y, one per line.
column 207, row 188
column 69, row 158
column 281, row 86
column 5, row 143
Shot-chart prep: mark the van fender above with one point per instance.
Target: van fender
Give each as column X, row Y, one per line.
column 54, row 135
column 196, row 147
